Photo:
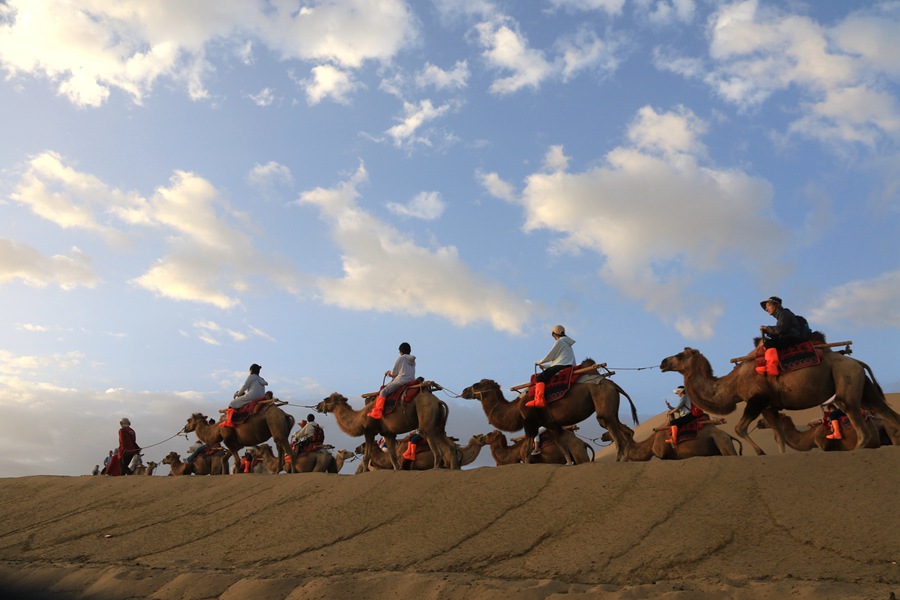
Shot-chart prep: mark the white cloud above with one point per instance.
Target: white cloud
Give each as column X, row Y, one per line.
column 328, row 81
column 612, row 7
column 264, row 97
column 22, row 262
column 270, row 174
column 91, row 48
column 384, row 270
column 667, row 12
column 415, row 116
column 867, row 303
column 212, row 253
column 507, row 49
column 659, row 218
column 496, row 186
column 425, row 205
column 556, row 160
column 433, row 76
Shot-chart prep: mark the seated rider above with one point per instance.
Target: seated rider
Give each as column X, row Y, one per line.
column 403, row 372
column 683, row 413
column 833, row 415
column 254, row 388
column 537, row 441
column 786, row 332
column 309, row 433
column 560, row 356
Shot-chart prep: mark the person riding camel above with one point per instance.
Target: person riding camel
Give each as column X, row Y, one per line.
column 254, row 388
column 308, row 433
column 787, row 331
column 682, row 414
column 413, row 440
column 403, row 372
column 560, row 356
column 128, row 447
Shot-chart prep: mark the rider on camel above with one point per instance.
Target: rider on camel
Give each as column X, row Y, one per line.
column 786, row 332
column 403, row 372
column 682, row 414
column 560, row 356
column 254, row 388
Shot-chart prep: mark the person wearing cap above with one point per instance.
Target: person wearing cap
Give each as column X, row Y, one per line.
column 787, row 331
column 682, row 414
column 403, row 372
column 128, row 447
column 254, row 388
column 560, row 356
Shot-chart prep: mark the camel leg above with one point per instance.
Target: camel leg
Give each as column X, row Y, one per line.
column 752, row 410
column 724, row 445
column 567, row 453
column 865, row 432
column 618, row 437
column 770, row 416
column 368, row 448
column 391, row 440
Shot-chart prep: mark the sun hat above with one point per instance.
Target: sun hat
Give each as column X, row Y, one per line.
column 558, row 330
column 772, row 299
column 678, row 390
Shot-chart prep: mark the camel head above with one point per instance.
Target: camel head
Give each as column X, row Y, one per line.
column 496, row 436
column 262, row 450
column 344, row 454
column 194, row 420
column 151, row 465
column 170, row 458
column 479, row 439
column 474, row 391
column 327, row 405
column 681, row 362
column 361, row 449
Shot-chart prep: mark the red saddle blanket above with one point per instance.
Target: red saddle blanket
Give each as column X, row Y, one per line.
column 689, row 431
column 795, row 357
column 405, row 393
column 557, row 387
column 248, row 410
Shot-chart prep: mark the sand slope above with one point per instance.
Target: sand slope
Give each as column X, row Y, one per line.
column 804, row 525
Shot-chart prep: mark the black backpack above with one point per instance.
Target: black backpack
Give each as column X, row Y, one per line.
column 805, row 331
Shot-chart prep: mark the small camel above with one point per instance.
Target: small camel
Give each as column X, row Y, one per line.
column 425, row 458
column 837, row 375
column 342, row 457
column 146, row 469
column 710, row 441
column 271, row 422
column 520, row 451
column 212, row 464
column 318, row 461
column 580, row 402
column 426, row 413
column 176, row 466
column 816, row 436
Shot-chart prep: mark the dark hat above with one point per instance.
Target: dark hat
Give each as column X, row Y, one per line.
column 773, row 299
column 254, row 368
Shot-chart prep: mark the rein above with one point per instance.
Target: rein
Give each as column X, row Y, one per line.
column 180, row 432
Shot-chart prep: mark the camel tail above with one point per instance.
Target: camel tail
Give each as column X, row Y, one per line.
column 634, row 415
column 739, row 443
column 868, row 369
column 591, row 448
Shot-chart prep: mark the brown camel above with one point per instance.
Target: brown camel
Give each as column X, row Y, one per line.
column 816, row 436
column 425, row 458
column 146, row 469
column 520, row 451
column 212, row 464
column 341, row 457
column 837, row 375
column 580, row 402
column 319, row 461
column 710, row 441
column 426, row 413
column 271, row 422
column 176, row 466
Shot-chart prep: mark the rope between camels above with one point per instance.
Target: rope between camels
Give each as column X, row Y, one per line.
column 166, row 440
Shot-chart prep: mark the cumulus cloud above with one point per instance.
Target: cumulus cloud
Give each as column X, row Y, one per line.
column 425, row 205
column 270, row 174
column 415, row 116
column 265, row 97
column 90, row 49
column 212, row 255
column 841, row 71
column 612, row 7
column 658, row 216
column 20, row 262
column 433, row 76
column 328, row 81
column 867, row 303
column 385, row 270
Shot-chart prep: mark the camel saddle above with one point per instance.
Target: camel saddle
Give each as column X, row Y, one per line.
column 405, row 393
column 248, row 410
column 799, row 356
column 558, row 386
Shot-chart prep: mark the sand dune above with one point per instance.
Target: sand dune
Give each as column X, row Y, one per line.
column 800, row 525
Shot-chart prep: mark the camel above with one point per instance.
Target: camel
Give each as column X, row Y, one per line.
column 425, row 458
column 520, row 451
column 426, row 413
column 815, row 436
column 145, row 469
column 710, row 441
column 212, row 464
column 837, row 375
column 581, row 401
column 272, row 422
column 177, row 467
column 319, row 461
column 341, row 457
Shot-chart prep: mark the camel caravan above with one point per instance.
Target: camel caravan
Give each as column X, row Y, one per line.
column 404, row 424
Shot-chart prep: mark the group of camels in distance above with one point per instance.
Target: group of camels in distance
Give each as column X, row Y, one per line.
column 848, row 381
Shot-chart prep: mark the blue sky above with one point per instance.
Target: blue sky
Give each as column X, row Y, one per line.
column 188, row 188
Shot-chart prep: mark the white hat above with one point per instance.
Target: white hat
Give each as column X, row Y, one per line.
column 678, row 390
column 558, row 330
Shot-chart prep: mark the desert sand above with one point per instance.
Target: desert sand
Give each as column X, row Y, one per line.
column 794, row 525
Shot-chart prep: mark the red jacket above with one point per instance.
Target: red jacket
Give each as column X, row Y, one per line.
column 127, row 442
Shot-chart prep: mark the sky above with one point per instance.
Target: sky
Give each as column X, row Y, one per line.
column 188, row 188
